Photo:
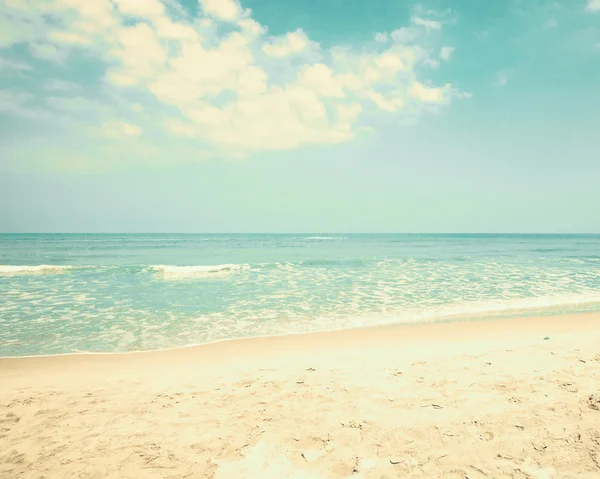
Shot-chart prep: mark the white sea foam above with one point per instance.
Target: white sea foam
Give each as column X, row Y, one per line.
column 498, row 306
column 196, row 271
column 324, row 237
column 6, row 270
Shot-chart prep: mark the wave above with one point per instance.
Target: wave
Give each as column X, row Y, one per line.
column 532, row 304
column 9, row 270
column 196, row 271
column 325, row 238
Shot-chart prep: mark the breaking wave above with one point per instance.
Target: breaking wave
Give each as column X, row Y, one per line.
column 197, row 271
column 9, row 270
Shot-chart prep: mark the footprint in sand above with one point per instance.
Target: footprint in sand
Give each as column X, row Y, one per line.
column 569, row 387
column 11, row 418
column 593, row 401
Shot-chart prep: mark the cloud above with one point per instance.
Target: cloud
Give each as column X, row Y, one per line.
column 289, row 44
column 593, row 6
column 119, row 130
column 446, row 53
column 405, row 35
column 226, row 10
column 179, row 128
column 431, row 62
column 60, row 85
column 426, row 94
column 381, row 37
column 251, row 27
column 167, row 29
column 10, row 99
column 141, row 8
column 12, row 65
column 218, row 80
column 18, row 103
column 47, row 51
column 463, row 95
column 71, row 38
column 428, row 24
column 14, row 29
column 320, row 79
column 139, row 53
column 197, row 72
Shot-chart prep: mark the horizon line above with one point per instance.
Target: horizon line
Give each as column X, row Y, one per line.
column 286, row 233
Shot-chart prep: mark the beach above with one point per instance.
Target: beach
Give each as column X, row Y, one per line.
column 510, row 398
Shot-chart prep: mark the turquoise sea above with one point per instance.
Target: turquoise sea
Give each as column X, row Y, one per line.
column 64, row 293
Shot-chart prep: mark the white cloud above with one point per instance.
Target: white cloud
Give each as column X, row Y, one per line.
column 319, row 78
column 119, row 130
column 252, row 81
column 48, row 52
column 289, row 44
column 427, row 94
column 197, row 72
column 120, row 79
column 140, row 53
column 71, row 38
column 180, row 128
column 85, row 18
column 387, row 103
column 219, row 79
column 226, row 10
column 446, row 53
column 463, row 95
column 427, row 24
column 141, row 8
column 390, row 61
column 593, row 6
column 251, row 27
column 14, row 30
column 167, row 29
column 405, row 35
column 381, row 37
column 348, row 114
column 431, row 62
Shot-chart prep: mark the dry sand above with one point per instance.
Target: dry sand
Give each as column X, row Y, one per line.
column 488, row 399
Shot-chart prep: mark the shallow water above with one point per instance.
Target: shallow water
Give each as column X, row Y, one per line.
column 65, row 293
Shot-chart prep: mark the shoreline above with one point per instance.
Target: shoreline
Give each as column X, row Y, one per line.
column 470, row 318
column 358, row 337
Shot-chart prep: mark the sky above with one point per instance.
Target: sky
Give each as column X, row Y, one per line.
column 300, row 116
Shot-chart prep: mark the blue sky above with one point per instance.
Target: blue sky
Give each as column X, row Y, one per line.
column 281, row 116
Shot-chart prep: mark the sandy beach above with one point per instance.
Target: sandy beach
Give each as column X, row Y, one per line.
column 451, row 400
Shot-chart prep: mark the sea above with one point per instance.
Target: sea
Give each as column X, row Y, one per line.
column 109, row 293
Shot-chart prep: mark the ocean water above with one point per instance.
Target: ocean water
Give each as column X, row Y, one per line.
column 64, row 293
